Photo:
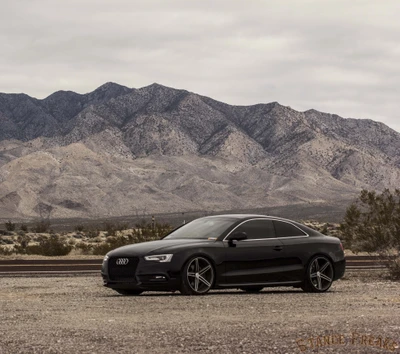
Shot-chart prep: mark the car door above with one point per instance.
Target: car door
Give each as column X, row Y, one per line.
column 297, row 249
column 256, row 260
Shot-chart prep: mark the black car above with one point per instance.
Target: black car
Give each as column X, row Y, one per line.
column 248, row 252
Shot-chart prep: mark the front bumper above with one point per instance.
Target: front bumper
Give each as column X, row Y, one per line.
column 146, row 275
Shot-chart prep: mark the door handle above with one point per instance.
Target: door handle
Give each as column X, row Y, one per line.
column 278, row 248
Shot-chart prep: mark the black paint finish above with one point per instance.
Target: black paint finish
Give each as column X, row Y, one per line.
column 272, row 255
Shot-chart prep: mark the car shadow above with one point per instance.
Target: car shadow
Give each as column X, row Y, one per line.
column 223, row 293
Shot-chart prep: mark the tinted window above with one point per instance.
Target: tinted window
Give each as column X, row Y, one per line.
column 204, row 228
column 256, row 229
column 283, row 229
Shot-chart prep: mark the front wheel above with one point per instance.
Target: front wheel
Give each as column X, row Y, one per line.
column 128, row 292
column 197, row 276
column 319, row 276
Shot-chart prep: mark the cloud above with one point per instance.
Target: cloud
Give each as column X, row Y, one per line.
column 335, row 56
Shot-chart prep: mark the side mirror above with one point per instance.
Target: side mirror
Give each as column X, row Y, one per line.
column 237, row 236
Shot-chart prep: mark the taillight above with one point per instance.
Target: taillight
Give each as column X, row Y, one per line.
column 341, row 247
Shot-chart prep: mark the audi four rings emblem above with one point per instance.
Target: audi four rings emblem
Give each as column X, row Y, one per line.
column 122, row 261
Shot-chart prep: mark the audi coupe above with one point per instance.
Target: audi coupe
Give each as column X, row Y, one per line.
column 248, row 252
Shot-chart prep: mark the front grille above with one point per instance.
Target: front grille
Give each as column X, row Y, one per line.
column 122, row 272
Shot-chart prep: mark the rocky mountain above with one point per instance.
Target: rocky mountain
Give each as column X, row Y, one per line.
column 116, row 150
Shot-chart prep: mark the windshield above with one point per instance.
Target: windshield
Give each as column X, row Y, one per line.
column 204, row 228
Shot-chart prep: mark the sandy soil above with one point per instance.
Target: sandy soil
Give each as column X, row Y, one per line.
column 79, row 315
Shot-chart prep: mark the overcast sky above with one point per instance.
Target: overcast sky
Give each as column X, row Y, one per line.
column 335, row 56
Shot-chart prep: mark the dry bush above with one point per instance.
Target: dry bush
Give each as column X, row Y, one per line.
column 48, row 246
column 6, row 251
column 113, row 227
column 41, row 227
column 10, row 226
column 79, row 228
column 84, row 248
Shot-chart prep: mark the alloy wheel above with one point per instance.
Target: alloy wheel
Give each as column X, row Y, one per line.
column 321, row 274
column 200, row 275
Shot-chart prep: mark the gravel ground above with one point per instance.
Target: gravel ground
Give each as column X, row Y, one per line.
column 79, row 315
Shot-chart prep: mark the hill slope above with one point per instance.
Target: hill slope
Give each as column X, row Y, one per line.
column 116, row 150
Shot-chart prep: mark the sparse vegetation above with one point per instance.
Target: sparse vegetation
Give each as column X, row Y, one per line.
column 10, row 226
column 112, row 228
column 87, row 241
column 23, row 242
column 50, row 246
column 41, row 227
column 372, row 224
column 143, row 232
column 79, row 228
column 92, row 232
column 5, row 251
column 84, row 248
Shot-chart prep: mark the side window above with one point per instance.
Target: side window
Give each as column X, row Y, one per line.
column 284, row 229
column 257, row 229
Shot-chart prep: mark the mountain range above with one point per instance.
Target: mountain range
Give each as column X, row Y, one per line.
column 117, row 151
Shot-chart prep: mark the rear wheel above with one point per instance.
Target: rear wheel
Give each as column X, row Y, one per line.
column 197, row 276
column 319, row 276
column 252, row 289
column 128, row 292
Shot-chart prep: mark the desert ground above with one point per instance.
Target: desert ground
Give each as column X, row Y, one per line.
column 76, row 314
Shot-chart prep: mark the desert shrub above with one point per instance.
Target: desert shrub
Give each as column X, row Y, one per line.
column 147, row 231
column 41, row 227
column 84, row 248
column 112, row 243
column 22, row 243
column 394, row 268
column 6, row 241
column 10, row 226
column 372, row 224
column 79, row 228
column 24, row 227
column 48, row 246
column 112, row 228
column 143, row 232
column 92, row 232
column 5, row 251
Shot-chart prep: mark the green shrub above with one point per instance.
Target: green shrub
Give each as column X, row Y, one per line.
column 372, row 224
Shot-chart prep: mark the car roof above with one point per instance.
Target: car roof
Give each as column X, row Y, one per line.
column 247, row 216
column 243, row 217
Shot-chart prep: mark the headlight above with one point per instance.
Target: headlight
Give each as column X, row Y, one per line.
column 159, row 258
column 105, row 259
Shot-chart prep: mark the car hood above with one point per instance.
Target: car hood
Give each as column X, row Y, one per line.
column 152, row 247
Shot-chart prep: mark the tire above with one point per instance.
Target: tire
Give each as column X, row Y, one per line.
column 252, row 289
column 197, row 276
column 128, row 292
column 319, row 275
